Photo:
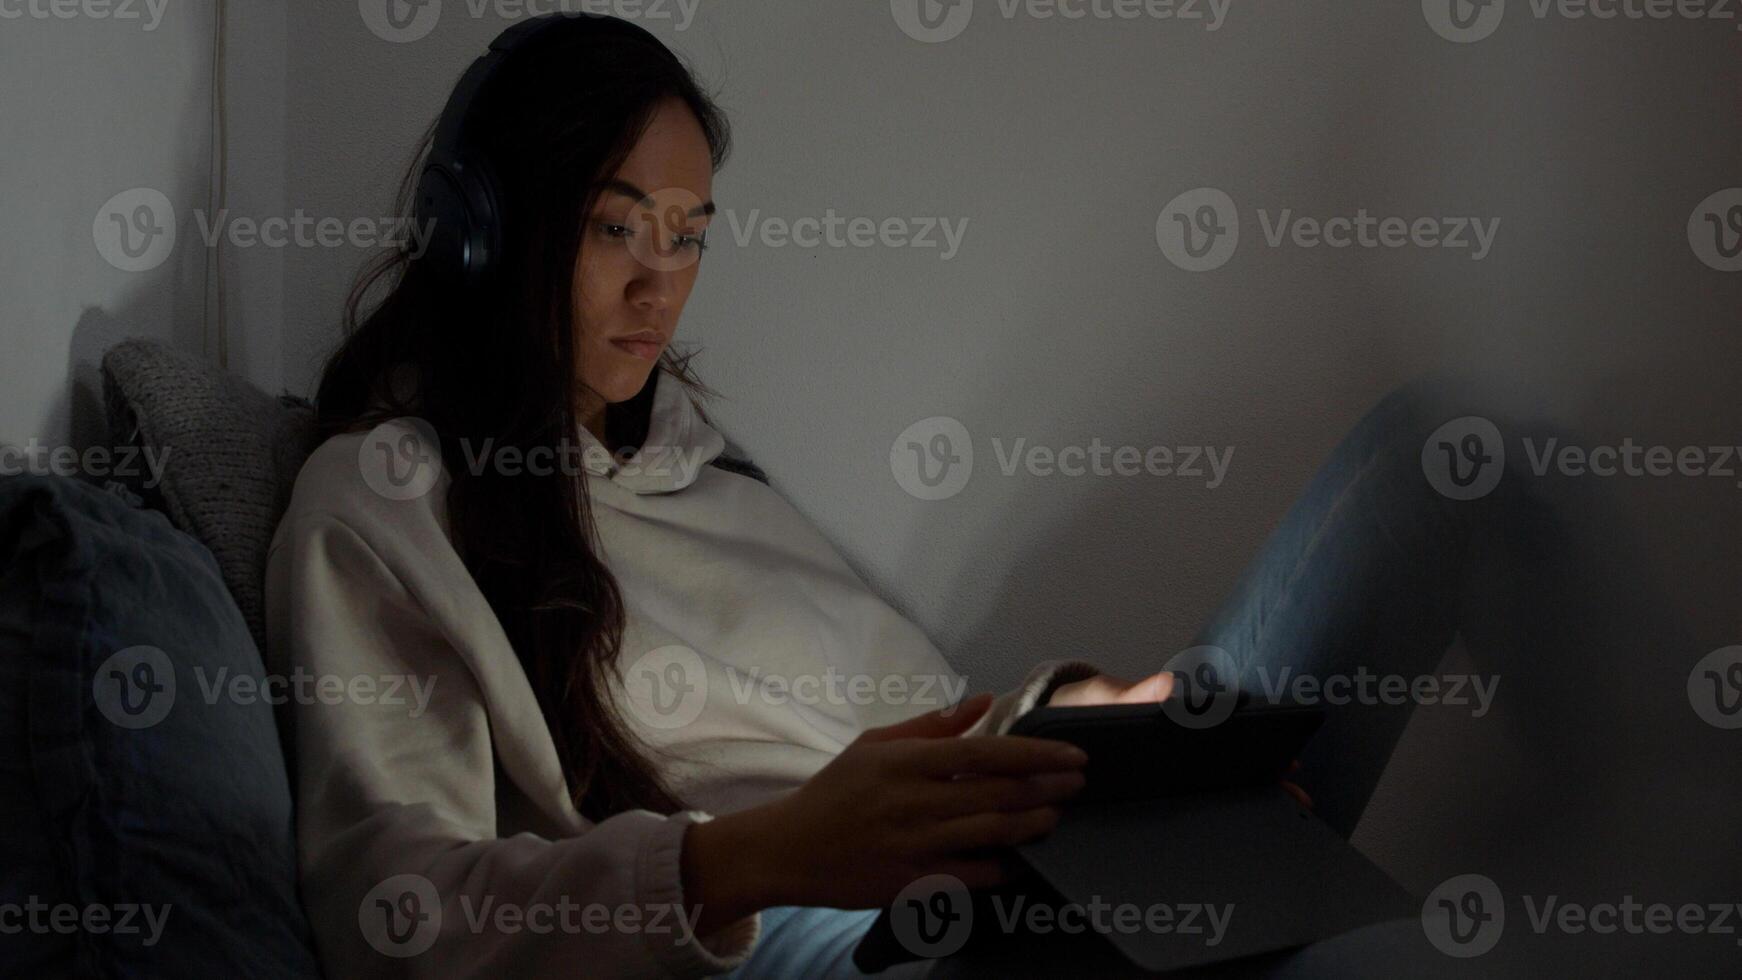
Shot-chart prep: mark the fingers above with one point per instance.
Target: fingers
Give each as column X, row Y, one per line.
column 993, row 755
column 1000, row 794
column 942, row 723
column 1106, row 689
column 993, row 829
column 981, row 873
column 1299, row 794
column 1155, row 687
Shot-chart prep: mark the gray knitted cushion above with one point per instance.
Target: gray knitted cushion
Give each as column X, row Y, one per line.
column 230, row 454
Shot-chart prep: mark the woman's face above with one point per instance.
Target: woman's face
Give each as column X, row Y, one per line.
column 640, row 252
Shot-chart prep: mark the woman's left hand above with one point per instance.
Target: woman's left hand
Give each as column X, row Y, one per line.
column 1104, row 689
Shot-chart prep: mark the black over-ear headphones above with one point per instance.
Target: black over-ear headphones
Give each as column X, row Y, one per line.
column 457, row 190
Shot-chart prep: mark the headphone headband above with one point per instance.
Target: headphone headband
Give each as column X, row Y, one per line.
column 457, row 190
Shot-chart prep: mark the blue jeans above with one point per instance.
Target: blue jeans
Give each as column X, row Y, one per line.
column 1374, row 569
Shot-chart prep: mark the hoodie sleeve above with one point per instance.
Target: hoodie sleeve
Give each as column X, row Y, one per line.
column 1034, row 691
column 403, row 871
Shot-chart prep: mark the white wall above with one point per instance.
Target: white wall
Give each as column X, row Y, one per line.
column 97, row 106
column 1060, row 320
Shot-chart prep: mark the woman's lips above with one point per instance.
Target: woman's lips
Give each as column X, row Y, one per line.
column 647, row 350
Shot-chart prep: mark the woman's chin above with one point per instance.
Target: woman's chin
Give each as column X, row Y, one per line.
column 625, row 384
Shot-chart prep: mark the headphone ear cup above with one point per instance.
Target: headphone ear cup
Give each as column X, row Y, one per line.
column 456, row 205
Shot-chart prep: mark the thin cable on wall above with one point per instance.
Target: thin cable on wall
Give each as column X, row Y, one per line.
column 215, row 338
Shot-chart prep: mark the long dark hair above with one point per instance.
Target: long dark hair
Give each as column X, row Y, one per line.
column 558, row 118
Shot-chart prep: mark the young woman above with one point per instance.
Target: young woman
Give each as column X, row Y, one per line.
column 552, row 615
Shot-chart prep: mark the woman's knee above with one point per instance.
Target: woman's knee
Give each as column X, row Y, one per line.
column 1465, row 435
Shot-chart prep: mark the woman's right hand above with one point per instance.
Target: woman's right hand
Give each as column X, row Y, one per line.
column 902, row 802
column 913, row 799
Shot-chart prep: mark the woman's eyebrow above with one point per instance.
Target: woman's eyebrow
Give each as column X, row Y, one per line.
column 625, row 188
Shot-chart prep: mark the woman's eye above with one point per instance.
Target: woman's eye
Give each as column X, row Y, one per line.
column 697, row 242
column 616, row 231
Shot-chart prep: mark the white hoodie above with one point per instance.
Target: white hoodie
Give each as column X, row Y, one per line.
column 435, row 830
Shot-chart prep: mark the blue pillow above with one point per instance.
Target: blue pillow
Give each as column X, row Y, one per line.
column 146, row 823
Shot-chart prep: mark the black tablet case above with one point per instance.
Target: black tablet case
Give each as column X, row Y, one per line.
column 1289, row 878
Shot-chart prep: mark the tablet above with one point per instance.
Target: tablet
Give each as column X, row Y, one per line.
column 1145, row 751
